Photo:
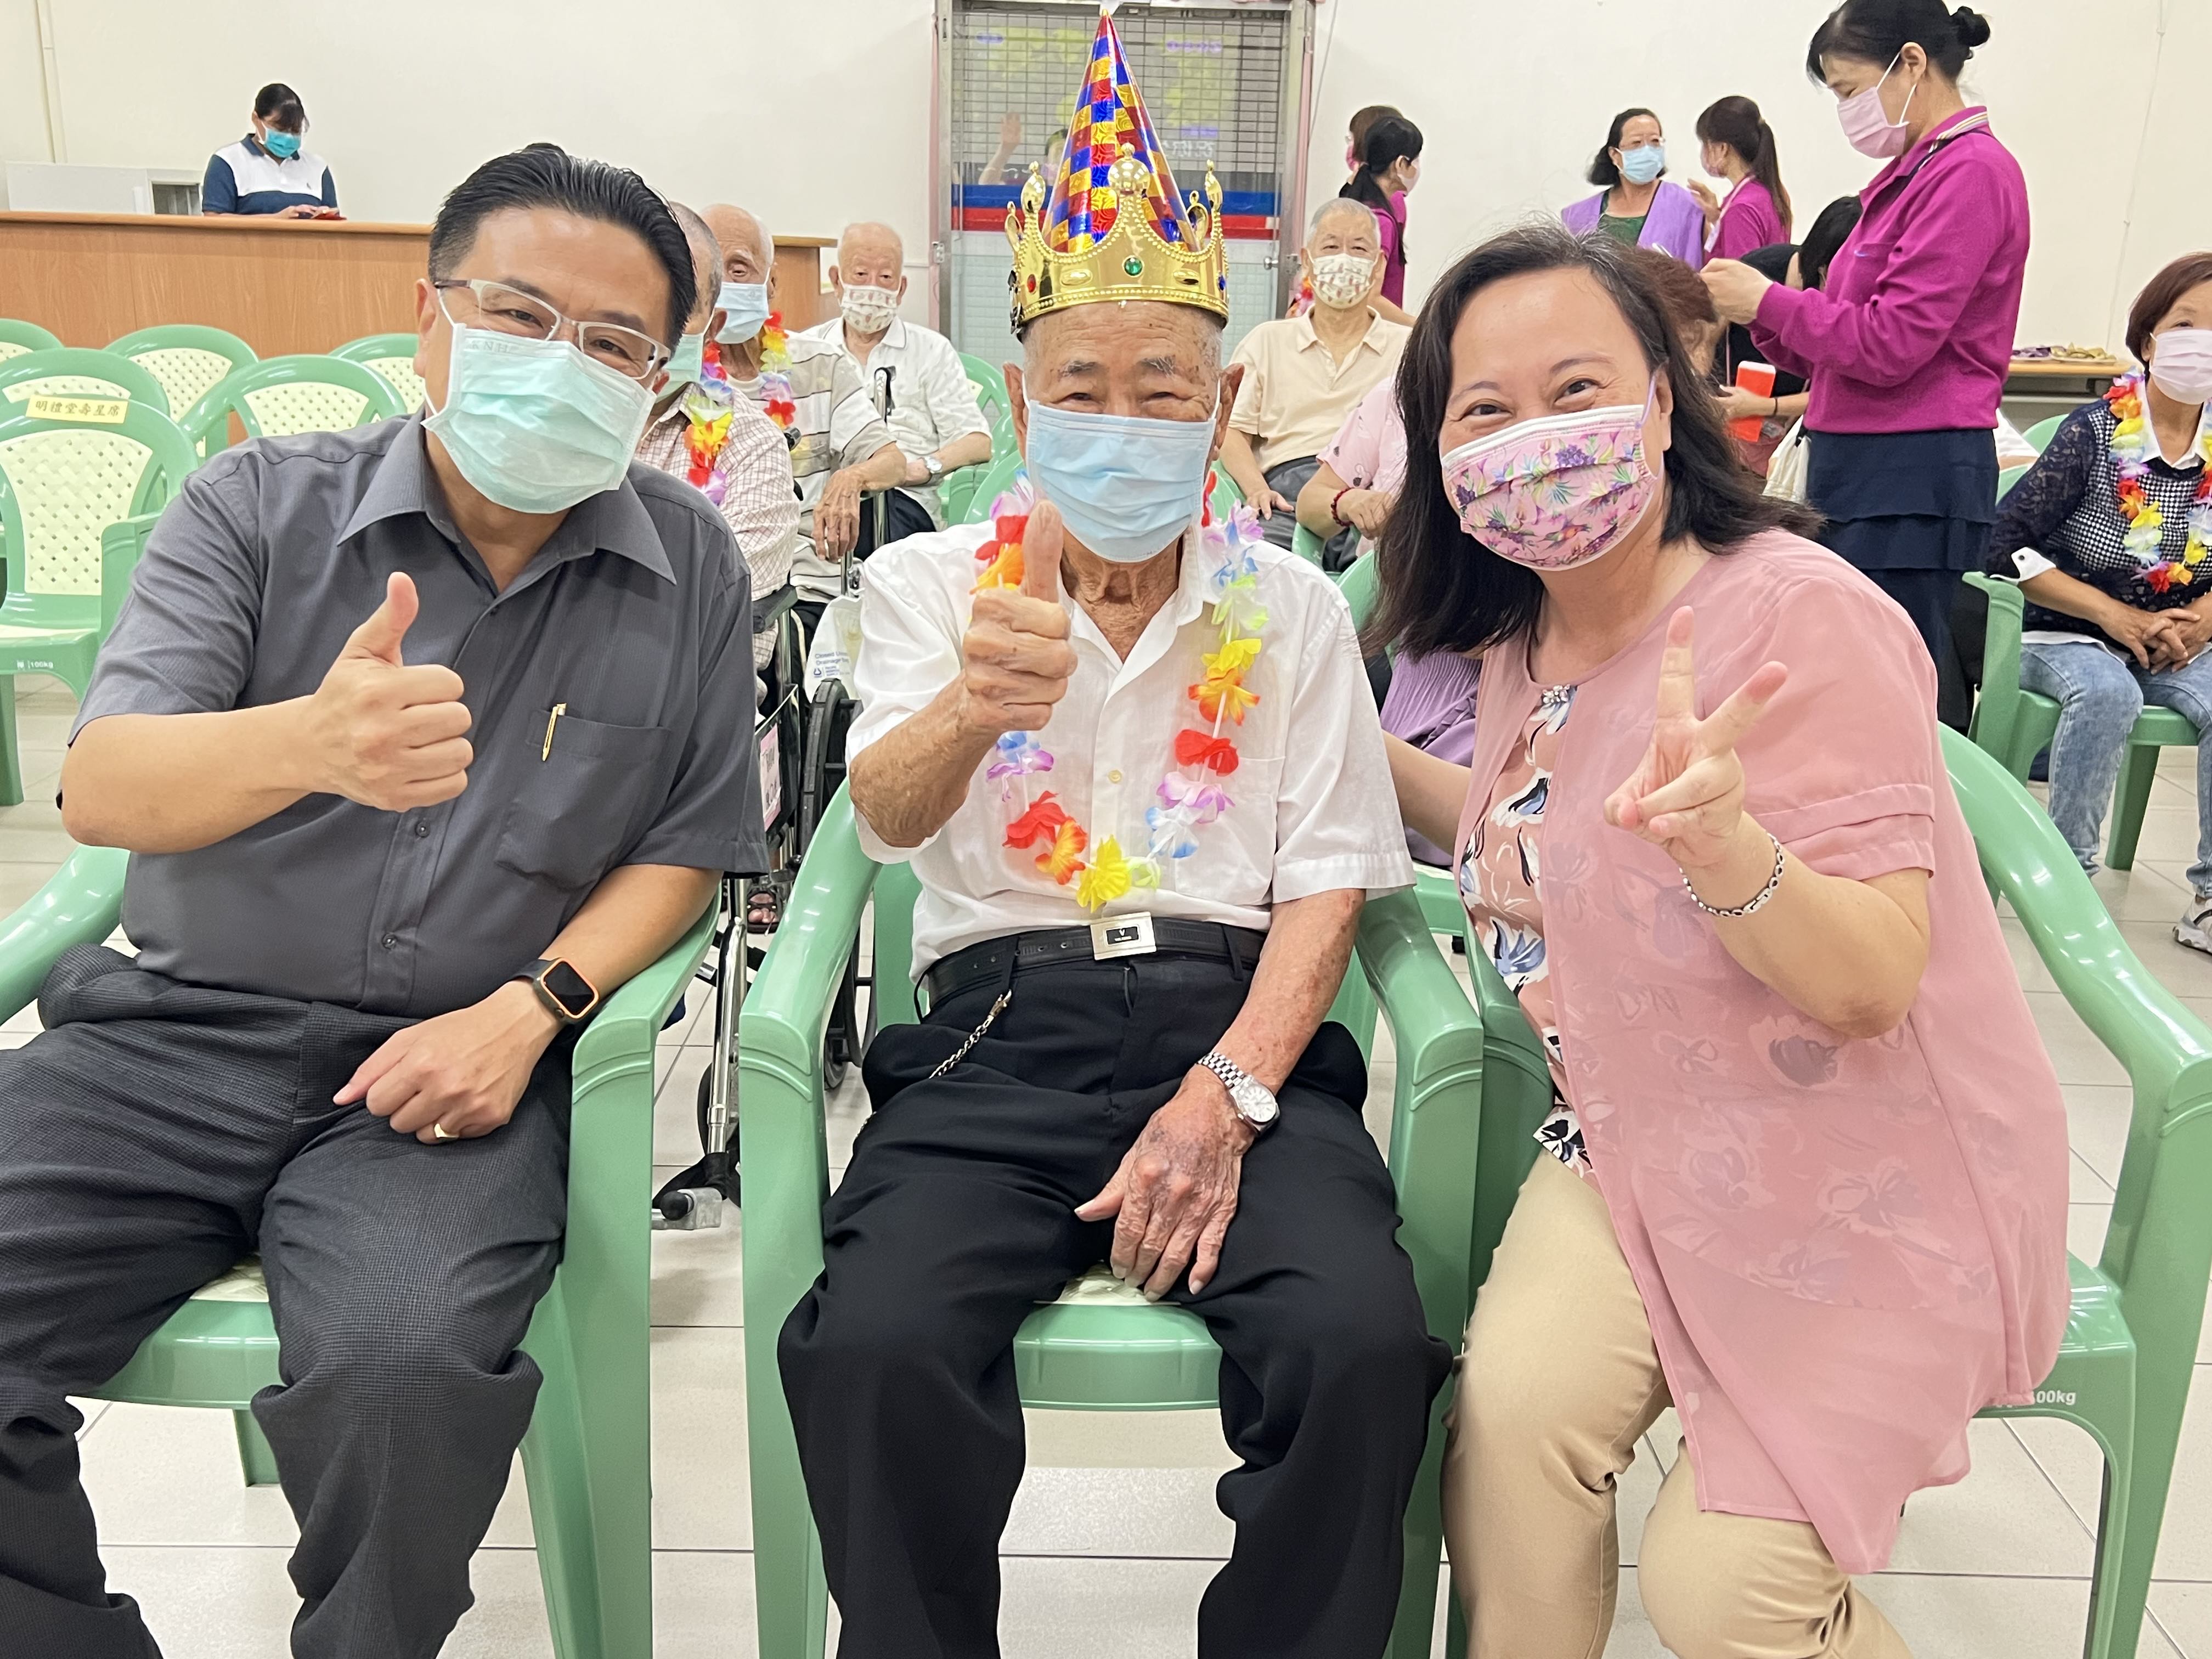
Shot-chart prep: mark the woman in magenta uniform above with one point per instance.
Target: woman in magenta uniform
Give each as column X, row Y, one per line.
column 1636, row 204
column 1738, row 145
column 1804, row 1170
column 1389, row 167
column 1908, row 346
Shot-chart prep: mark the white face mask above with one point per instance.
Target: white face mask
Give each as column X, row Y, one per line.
column 1340, row 280
column 869, row 309
column 2181, row 365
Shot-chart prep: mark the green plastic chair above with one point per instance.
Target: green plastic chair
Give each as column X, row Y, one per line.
column 78, row 499
column 1109, row 1352
column 75, row 371
column 2015, row 726
column 2038, row 436
column 588, row 1453
column 391, row 358
column 188, row 359
column 998, row 479
column 1307, row 546
column 990, row 389
column 18, row 337
column 280, row 397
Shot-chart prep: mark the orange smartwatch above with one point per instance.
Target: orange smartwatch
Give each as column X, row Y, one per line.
column 571, row 997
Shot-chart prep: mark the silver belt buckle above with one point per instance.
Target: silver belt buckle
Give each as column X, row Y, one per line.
column 1122, row 936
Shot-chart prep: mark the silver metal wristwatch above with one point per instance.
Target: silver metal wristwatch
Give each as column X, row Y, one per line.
column 1253, row 1100
column 933, row 466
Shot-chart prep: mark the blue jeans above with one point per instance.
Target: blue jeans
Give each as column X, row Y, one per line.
column 2098, row 696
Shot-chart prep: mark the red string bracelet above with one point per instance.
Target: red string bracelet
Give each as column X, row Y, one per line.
column 1336, row 498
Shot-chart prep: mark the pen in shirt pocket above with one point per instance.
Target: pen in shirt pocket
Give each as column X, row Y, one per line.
column 551, row 721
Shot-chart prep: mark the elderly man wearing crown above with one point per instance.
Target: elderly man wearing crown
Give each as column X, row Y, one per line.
column 1132, row 759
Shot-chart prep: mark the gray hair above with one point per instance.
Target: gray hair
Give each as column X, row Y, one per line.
column 705, row 250
column 1330, row 207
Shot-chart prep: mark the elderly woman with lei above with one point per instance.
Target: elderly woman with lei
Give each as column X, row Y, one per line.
column 2110, row 536
column 1804, row 1176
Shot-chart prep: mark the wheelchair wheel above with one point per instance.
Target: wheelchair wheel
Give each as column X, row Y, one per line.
column 828, row 720
column 841, row 1039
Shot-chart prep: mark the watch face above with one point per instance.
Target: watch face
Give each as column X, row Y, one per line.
column 1255, row 1103
column 569, row 988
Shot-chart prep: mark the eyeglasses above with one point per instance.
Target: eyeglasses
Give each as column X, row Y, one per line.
column 479, row 302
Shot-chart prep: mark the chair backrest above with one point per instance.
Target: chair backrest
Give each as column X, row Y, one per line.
column 1998, row 708
column 279, row 397
column 2166, row 1047
column 990, row 388
column 62, row 481
column 993, row 483
column 2039, row 435
column 75, row 371
column 391, row 358
column 186, row 358
column 18, row 337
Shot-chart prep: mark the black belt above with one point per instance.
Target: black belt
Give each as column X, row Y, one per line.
column 995, row 961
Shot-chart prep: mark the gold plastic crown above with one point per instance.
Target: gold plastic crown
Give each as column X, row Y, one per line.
column 1131, row 261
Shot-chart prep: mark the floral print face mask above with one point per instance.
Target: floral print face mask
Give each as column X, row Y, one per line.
column 1558, row 492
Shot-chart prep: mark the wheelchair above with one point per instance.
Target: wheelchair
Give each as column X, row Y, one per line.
column 801, row 740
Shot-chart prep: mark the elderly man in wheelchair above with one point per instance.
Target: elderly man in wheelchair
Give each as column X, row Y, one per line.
column 335, row 1048
column 1132, row 761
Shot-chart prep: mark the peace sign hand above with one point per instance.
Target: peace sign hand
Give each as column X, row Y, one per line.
column 1685, row 796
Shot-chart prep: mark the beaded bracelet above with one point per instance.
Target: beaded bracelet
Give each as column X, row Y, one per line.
column 1334, row 499
column 1757, row 901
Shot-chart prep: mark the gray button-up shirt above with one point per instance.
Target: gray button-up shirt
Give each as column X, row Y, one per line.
column 635, row 615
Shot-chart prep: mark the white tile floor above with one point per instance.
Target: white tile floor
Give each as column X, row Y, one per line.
column 1116, row 1534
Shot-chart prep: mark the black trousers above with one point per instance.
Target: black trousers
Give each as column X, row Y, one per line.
column 956, row 1217
column 157, row 1132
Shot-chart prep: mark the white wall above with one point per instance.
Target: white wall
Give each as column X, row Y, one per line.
column 2101, row 102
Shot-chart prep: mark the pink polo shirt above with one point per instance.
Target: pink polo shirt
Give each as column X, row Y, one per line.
column 1915, row 331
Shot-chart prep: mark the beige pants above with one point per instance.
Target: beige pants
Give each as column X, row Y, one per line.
column 1559, row 1382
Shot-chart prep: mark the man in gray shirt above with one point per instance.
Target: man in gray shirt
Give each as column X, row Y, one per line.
column 423, row 737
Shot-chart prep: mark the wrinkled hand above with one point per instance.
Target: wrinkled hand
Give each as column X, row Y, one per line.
column 1268, row 502
column 837, row 515
column 1736, row 288
column 1365, row 510
column 1685, row 796
column 1706, row 199
column 1737, row 405
column 380, row 732
column 2192, row 627
column 917, row 469
column 1015, row 659
column 463, row 1071
column 2152, row 638
column 298, row 211
column 1176, row 1192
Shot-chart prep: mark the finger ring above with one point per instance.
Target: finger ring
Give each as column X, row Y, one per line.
column 439, row 1131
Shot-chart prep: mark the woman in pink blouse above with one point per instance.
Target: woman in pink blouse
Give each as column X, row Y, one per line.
column 1805, row 1175
column 1736, row 144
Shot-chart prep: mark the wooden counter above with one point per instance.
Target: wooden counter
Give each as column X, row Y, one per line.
column 280, row 285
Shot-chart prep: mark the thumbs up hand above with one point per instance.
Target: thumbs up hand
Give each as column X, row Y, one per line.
column 380, row 732
column 1015, row 659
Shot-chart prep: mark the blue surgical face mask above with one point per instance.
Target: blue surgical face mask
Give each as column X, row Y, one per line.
column 536, row 425
column 1644, row 163
column 281, row 145
column 745, row 306
column 1126, row 487
column 689, row 363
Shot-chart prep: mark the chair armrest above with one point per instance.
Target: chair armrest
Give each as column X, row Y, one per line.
column 1437, row 1116
column 1307, row 545
column 121, row 546
column 78, row 905
column 780, row 1032
column 624, row 1031
column 1997, row 712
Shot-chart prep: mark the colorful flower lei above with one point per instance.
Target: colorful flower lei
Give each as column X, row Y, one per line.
column 775, row 378
column 1190, row 795
column 2146, row 522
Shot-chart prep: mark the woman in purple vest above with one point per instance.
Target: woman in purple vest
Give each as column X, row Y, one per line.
column 1636, row 203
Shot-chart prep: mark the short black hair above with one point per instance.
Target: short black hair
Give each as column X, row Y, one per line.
column 1442, row 589
column 1831, row 226
column 279, row 106
column 1602, row 173
column 1875, row 31
column 545, row 175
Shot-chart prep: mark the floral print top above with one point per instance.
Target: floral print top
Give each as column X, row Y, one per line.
column 1498, row 884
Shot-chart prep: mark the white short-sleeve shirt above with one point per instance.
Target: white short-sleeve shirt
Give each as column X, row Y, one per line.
column 1313, row 810
column 930, row 399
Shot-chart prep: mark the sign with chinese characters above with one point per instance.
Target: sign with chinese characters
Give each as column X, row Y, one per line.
column 103, row 411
